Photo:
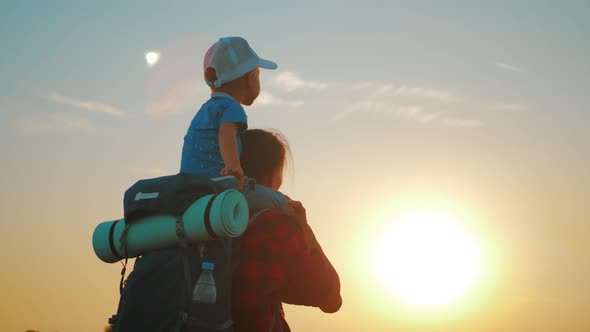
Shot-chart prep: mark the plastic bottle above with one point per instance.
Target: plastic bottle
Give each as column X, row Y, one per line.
column 205, row 290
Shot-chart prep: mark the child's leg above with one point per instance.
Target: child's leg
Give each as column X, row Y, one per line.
column 257, row 196
column 261, row 197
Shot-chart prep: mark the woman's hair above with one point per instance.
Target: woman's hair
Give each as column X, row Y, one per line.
column 263, row 153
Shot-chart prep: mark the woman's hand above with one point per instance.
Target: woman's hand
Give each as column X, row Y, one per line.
column 296, row 209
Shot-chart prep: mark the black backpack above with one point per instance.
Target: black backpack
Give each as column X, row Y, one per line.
column 157, row 295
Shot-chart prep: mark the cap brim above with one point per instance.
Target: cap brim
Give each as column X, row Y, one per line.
column 267, row 64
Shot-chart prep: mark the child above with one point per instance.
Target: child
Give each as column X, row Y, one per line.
column 212, row 145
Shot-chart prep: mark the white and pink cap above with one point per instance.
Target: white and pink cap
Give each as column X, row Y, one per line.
column 232, row 57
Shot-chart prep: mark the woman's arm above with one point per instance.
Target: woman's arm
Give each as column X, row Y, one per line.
column 278, row 256
column 310, row 277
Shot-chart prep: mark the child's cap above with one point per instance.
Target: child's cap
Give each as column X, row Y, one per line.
column 232, row 57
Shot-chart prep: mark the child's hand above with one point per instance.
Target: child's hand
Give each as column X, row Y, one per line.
column 235, row 170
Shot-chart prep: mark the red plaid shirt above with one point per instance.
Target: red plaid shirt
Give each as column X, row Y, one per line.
column 279, row 261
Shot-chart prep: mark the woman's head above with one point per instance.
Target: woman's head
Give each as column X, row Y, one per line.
column 263, row 156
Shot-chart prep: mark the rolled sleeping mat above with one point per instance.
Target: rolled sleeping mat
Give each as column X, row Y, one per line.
column 212, row 216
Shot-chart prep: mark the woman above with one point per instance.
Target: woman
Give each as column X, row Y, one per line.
column 279, row 258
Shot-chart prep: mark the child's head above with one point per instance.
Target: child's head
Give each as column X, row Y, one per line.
column 232, row 66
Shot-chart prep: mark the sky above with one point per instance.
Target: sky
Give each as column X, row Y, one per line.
column 475, row 108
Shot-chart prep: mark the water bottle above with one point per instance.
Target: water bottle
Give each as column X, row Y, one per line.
column 205, row 290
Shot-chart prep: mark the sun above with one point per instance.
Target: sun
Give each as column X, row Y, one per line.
column 427, row 259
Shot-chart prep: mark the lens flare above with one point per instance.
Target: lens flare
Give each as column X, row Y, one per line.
column 152, row 58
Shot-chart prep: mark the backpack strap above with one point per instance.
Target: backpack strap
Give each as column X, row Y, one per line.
column 237, row 241
column 183, row 246
column 229, row 247
column 123, row 241
column 185, row 318
column 183, row 249
column 256, row 215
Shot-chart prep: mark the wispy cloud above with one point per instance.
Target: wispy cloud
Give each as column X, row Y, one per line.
column 508, row 107
column 267, row 99
column 361, row 85
column 508, row 67
column 404, row 90
column 413, row 102
column 461, row 123
column 85, row 104
column 364, row 107
column 416, row 113
column 34, row 124
column 412, row 112
column 290, row 81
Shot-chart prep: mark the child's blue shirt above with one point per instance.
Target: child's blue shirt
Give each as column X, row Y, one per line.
column 200, row 152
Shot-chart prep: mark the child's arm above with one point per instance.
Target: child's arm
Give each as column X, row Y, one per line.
column 228, row 146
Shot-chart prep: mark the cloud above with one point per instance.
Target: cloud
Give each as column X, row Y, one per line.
column 364, row 107
column 404, row 90
column 375, row 97
column 413, row 112
column 416, row 113
column 290, row 81
column 422, row 104
column 461, row 123
column 361, row 85
column 85, row 105
column 508, row 67
column 46, row 123
column 508, row 107
column 267, row 99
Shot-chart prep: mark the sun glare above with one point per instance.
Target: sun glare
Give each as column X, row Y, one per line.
column 427, row 259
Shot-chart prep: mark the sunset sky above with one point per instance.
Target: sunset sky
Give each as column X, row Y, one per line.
column 477, row 111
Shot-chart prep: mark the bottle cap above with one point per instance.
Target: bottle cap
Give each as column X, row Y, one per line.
column 207, row 266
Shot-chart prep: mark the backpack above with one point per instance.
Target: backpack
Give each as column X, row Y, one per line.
column 157, row 295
